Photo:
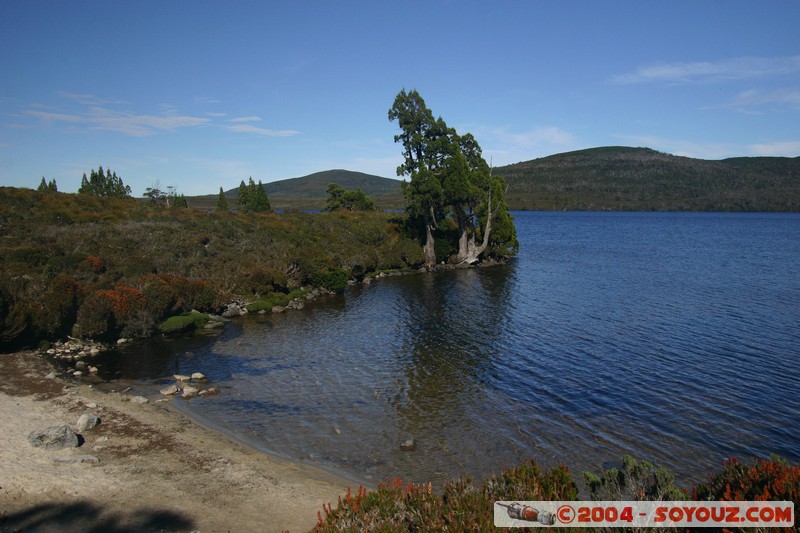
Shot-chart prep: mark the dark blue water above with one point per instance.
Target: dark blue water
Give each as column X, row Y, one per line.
column 670, row 337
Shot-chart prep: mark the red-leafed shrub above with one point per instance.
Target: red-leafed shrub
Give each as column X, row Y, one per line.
column 107, row 313
column 461, row 507
column 764, row 480
column 95, row 264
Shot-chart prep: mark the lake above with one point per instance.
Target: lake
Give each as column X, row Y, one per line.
column 667, row 336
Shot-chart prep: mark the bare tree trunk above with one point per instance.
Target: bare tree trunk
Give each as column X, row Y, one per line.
column 463, row 235
column 474, row 252
column 429, row 249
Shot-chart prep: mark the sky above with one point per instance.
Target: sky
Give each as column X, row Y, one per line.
column 199, row 94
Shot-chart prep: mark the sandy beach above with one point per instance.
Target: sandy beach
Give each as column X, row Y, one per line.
column 155, row 469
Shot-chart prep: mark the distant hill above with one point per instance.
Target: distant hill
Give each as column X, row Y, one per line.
column 614, row 178
column 310, row 192
column 622, row 178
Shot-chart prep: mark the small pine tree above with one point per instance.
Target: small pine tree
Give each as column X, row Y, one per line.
column 260, row 199
column 47, row 186
column 222, row 202
column 252, row 197
column 102, row 183
column 181, row 202
column 243, row 197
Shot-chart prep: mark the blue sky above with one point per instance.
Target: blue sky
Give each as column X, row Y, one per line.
column 198, row 95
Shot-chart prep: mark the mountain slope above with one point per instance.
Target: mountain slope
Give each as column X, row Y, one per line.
column 310, row 192
column 623, row 178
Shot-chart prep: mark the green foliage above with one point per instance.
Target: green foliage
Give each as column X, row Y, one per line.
column 180, row 202
column 46, row 186
column 102, row 183
column 266, row 304
column 184, row 322
column 176, row 259
column 95, row 318
column 222, row 202
column 450, row 179
column 252, row 198
column 341, row 198
column 333, row 279
column 636, row 480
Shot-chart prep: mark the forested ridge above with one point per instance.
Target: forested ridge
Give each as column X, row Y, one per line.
column 641, row 179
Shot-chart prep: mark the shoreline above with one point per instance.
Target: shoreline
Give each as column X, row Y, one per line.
column 157, row 468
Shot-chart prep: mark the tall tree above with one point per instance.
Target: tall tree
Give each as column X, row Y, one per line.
column 222, row 202
column 449, row 176
column 419, row 136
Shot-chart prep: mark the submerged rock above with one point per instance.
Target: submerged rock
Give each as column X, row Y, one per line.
column 169, row 389
column 408, row 445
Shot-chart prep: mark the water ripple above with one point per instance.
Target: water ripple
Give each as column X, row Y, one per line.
column 671, row 337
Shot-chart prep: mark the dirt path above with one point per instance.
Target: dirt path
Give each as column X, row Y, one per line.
column 157, row 470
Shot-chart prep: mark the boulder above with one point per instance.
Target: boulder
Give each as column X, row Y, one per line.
column 232, row 311
column 54, row 438
column 198, row 376
column 408, row 445
column 211, row 391
column 139, row 399
column 189, row 392
column 87, row 421
column 182, row 377
column 169, row 390
column 278, row 309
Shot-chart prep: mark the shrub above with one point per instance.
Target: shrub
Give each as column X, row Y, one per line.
column 333, row 279
column 461, row 507
column 184, row 322
column 266, row 304
column 58, row 309
column 636, row 480
column 773, row 479
column 95, row 318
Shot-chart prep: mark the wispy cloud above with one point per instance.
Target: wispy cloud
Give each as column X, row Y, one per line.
column 251, row 118
column 206, row 100
column 249, row 128
column 682, row 147
column 738, row 68
column 96, row 114
column 777, row 149
column 782, row 98
column 507, row 147
column 241, row 125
